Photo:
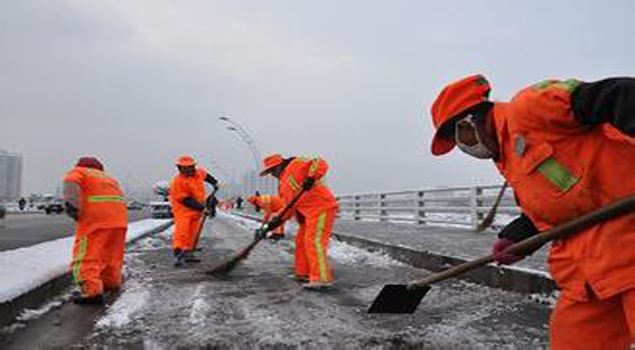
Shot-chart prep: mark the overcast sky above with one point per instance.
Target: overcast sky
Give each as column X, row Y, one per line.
column 139, row 82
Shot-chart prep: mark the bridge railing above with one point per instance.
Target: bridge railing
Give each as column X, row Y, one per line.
column 461, row 206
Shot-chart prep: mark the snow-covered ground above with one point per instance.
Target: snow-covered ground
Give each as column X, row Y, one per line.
column 24, row 269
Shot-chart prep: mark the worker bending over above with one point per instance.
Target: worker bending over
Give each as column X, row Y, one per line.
column 271, row 205
column 96, row 202
column 566, row 148
column 315, row 213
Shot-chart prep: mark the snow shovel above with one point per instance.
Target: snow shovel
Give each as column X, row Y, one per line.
column 226, row 267
column 404, row 298
column 489, row 219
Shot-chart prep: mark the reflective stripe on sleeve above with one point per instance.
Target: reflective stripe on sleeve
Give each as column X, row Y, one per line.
column 105, row 199
column 294, row 184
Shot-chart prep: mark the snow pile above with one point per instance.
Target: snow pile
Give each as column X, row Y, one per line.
column 24, row 269
column 349, row 255
column 125, row 307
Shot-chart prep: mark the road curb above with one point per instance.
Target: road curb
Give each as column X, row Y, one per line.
column 507, row 278
column 36, row 297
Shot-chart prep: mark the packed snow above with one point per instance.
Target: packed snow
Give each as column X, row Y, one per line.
column 24, row 269
column 132, row 299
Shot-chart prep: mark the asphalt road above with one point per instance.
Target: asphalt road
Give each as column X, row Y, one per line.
column 258, row 306
column 22, row 230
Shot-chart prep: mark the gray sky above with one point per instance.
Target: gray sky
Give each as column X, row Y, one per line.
column 139, row 82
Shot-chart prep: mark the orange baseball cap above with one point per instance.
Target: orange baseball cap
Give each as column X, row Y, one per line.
column 185, row 161
column 271, row 161
column 455, row 99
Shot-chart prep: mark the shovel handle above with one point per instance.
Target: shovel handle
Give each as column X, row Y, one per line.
column 610, row 211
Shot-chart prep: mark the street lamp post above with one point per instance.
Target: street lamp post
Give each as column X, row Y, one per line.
column 244, row 135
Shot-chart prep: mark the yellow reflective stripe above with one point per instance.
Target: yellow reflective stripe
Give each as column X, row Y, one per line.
column 79, row 259
column 318, row 246
column 557, row 174
column 314, row 167
column 105, row 199
column 294, row 184
column 568, row 85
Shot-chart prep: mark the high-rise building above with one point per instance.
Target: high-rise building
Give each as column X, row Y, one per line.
column 10, row 176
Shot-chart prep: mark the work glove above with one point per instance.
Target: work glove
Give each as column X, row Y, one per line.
column 274, row 223
column 502, row 258
column 191, row 203
column 308, row 183
column 259, row 234
column 210, row 205
column 71, row 211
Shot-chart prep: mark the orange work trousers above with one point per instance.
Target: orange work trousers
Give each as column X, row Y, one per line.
column 311, row 245
column 98, row 260
column 186, row 229
column 595, row 324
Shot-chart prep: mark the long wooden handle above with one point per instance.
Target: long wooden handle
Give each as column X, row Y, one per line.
column 610, row 211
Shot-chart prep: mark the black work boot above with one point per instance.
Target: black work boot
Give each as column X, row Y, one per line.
column 190, row 258
column 79, row 299
column 180, row 258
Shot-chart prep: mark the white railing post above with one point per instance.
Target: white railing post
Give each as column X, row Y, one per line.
column 383, row 214
column 356, row 212
column 475, row 203
column 420, row 212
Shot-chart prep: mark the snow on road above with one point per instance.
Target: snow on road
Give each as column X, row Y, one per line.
column 258, row 306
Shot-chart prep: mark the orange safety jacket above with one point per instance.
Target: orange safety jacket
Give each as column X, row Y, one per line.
column 561, row 169
column 183, row 187
column 101, row 204
column 270, row 203
column 318, row 199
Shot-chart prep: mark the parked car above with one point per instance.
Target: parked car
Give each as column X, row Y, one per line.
column 160, row 210
column 56, row 207
column 134, row 205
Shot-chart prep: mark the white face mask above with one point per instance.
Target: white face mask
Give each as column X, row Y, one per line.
column 478, row 150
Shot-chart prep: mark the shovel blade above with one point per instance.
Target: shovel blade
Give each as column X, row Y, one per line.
column 398, row 299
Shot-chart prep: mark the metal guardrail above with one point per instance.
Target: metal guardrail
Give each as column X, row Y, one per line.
column 462, row 206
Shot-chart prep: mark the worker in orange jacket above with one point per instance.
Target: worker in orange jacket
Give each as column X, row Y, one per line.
column 557, row 145
column 96, row 202
column 315, row 213
column 188, row 201
column 272, row 205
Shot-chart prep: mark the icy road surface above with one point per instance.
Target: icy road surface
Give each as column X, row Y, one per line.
column 258, row 306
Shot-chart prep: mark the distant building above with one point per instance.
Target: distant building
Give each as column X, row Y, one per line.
column 10, row 176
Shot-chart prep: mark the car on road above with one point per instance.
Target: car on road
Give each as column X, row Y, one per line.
column 134, row 205
column 55, row 207
column 160, row 210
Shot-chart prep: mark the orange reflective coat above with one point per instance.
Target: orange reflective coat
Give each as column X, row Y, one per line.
column 270, row 203
column 182, row 187
column 316, row 200
column 561, row 169
column 102, row 204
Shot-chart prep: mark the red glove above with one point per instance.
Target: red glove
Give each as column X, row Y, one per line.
column 502, row 258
